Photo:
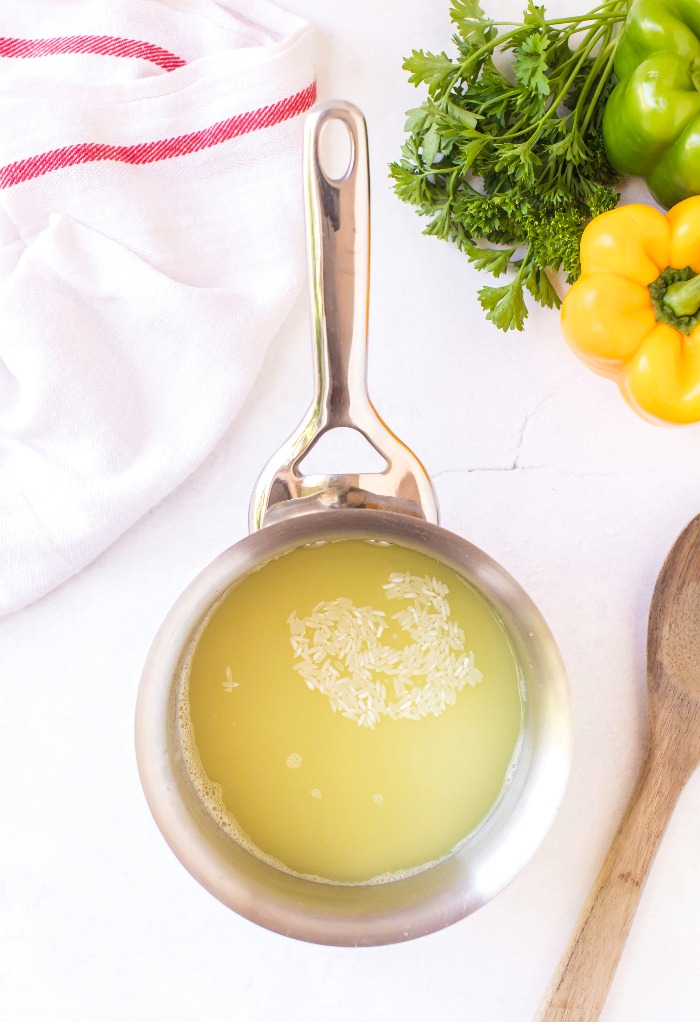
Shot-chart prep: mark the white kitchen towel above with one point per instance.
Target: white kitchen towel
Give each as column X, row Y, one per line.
column 151, row 244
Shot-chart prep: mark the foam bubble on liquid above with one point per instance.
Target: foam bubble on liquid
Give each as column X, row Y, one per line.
column 515, row 760
column 294, row 761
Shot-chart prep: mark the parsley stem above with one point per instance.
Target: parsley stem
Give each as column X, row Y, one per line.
column 613, row 10
column 578, row 58
column 583, row 53
column 602, row 82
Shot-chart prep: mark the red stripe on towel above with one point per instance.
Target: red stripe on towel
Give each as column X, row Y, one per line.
column 104, row 45
column 163, row 149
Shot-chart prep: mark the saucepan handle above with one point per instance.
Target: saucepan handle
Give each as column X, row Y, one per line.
column 338, row 239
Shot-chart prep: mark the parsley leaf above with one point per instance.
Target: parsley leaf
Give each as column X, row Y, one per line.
column 505, row 157
column 530, row 65
column 504, row 306
column 470, row 21
column 434, row 68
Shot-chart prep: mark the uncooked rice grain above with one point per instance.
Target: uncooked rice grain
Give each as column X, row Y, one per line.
column 341, row 655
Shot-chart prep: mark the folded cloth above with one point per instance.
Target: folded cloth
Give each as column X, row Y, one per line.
column 151, row 244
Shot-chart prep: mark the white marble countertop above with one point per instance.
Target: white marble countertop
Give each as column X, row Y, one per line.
column 537, row 461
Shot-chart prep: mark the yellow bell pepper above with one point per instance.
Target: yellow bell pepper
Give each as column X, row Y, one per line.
column 634, row 313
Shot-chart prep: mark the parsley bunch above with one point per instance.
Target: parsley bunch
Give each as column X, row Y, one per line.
column 507, row 159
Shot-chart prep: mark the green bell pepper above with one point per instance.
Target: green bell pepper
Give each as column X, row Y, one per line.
column 651, row 126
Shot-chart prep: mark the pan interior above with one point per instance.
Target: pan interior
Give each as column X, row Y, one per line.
column 351, row 708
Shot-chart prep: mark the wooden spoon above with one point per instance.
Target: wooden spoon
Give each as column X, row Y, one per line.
column 581, row 982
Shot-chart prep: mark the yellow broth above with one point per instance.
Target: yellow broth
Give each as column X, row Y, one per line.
column 351, row 710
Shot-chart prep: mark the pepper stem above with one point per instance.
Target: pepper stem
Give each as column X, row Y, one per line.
column 683, row 297
column 675, row 295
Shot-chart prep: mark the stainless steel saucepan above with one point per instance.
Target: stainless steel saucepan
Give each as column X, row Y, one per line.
column 290, row 509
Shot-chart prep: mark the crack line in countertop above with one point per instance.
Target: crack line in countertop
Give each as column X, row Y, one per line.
column 515, row 465
column 526, row 422
column 528, row 468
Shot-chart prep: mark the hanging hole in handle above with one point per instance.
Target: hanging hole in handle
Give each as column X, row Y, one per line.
column 336, row 150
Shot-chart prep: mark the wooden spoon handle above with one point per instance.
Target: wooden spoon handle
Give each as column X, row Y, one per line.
column 581, row 982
